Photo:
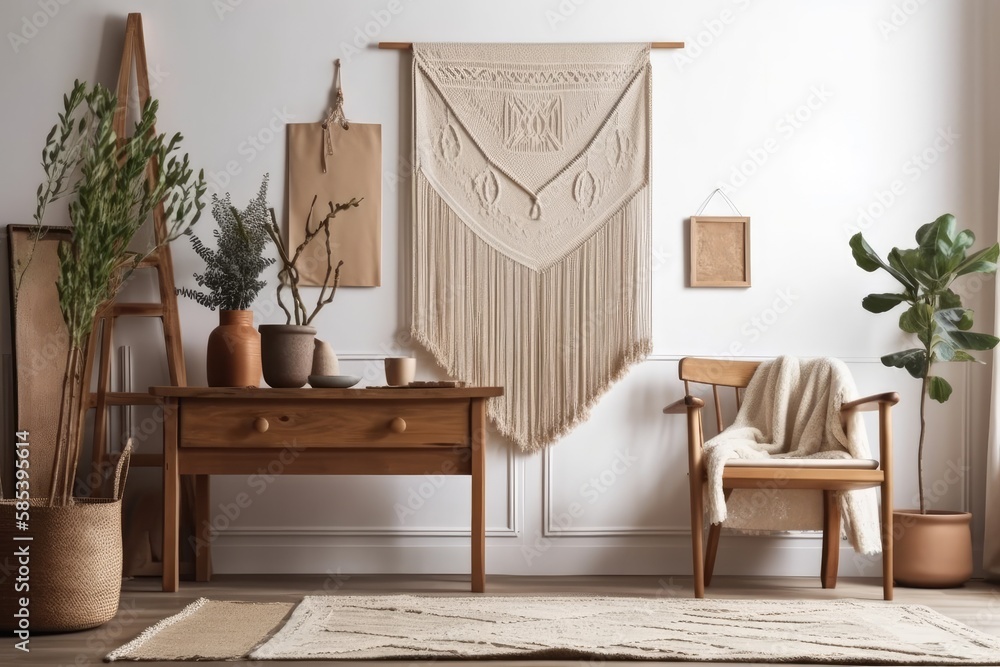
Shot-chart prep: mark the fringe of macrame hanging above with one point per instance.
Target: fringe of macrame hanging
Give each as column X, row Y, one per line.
column 556, row 339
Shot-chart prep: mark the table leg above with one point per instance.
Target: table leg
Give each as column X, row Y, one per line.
column 478, row 495
column 171, row 496
column 203, row 528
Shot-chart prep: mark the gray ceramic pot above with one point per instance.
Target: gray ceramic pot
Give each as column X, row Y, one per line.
column 286, row 352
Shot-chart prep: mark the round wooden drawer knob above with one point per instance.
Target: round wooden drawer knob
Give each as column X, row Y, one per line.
column 397, row 425
column 260, row 425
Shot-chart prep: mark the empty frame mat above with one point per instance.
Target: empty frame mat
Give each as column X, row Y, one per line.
column 720, row 251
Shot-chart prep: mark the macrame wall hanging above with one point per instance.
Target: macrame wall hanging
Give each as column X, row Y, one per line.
column 532, row 223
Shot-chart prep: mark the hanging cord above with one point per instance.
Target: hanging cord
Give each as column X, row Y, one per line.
column 334, row 115
column 718, row 191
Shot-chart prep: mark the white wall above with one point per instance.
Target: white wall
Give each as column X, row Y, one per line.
column 847, row 96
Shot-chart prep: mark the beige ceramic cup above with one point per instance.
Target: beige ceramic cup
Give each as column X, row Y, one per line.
column 399, row 371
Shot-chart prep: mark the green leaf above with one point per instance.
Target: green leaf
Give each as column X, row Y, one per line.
column 974, row 341
column 919, row 266
column 942, row 350
column 930, row 235
column 913, row 360
column 937, row 246
column 954, row 318
column 948, row 299
column 916, row 319
column 984, row 261
column 896, row 262
column 962, row 355
column 880, row 303
column 866, row 258
column 938, row 388
column 946, row 261
column 964, row 241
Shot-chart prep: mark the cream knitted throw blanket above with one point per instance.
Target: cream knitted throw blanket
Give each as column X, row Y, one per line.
column 791, row 409
column 531, row 216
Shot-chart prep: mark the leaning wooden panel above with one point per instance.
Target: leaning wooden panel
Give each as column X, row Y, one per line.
column 40, row 342
column 720, row 251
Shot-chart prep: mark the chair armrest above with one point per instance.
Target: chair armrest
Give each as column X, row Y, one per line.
column 681, row 407
column 871, row 403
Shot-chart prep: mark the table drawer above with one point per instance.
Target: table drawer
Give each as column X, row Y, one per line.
column 319, row 423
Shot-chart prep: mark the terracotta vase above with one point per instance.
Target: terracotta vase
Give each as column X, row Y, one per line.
column 287, row 354
column 932, row 550
column 234, row 351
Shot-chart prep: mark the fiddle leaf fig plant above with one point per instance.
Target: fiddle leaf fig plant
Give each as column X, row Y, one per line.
column 935, row 315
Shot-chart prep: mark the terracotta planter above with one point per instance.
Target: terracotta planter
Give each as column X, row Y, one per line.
column 287, row 354
column 234, row 351
column 932, row 550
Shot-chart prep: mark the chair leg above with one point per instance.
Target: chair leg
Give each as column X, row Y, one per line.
column 713, row 548
column 887, row 575
column 831, row 539
column 697, row 535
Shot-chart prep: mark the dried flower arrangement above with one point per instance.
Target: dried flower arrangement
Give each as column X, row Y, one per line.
column 232, row 270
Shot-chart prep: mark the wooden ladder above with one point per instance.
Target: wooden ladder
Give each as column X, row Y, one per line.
column 134, row 53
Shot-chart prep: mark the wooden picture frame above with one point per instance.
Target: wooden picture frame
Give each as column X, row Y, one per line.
column 720, row 251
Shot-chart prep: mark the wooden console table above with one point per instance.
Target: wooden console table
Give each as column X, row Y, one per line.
column 385, row 431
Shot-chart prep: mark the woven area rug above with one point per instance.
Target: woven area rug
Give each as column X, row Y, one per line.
column 409, row 627
column 207, row 630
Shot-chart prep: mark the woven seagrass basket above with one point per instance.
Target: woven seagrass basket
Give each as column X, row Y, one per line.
column 74, row 567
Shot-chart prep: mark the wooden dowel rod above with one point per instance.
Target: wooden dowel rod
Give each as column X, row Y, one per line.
column 402, row 46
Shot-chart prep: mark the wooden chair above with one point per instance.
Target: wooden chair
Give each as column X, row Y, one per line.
column 831, row 476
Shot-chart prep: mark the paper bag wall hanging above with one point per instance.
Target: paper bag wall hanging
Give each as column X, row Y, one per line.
column 334, row 161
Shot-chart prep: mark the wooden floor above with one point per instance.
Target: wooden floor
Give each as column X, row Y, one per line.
column 977, row 604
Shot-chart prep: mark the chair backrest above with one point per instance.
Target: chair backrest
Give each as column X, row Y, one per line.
column 717, row 373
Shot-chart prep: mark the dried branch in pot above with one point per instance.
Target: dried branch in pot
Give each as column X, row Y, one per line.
column 288, row 276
